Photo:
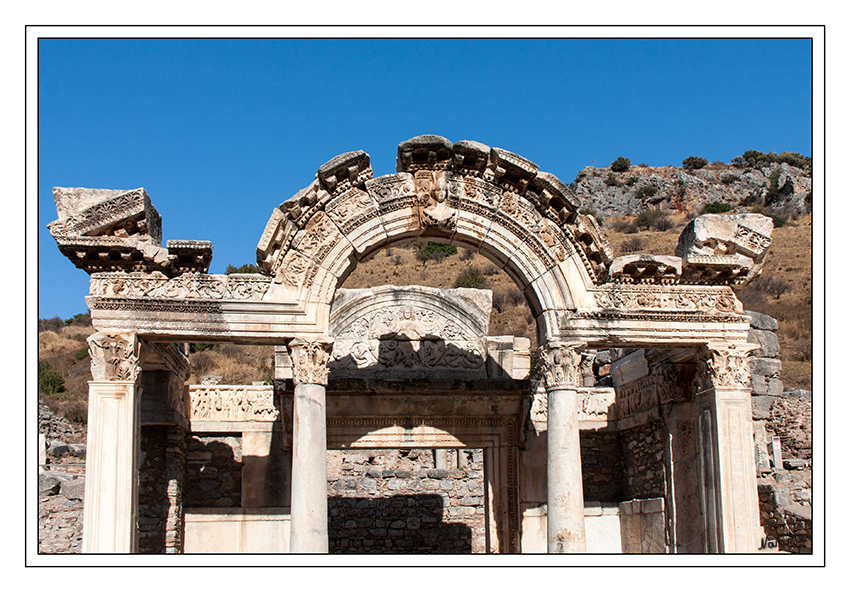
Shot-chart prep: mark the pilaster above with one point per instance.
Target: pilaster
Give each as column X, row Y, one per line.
column 727, row 448
column 111, row 494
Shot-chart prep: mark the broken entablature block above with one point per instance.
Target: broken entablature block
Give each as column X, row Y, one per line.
column 103, row 230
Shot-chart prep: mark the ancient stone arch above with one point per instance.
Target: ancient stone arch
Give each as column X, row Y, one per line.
column 485, row 199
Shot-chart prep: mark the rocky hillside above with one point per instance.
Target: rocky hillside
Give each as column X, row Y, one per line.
column 785, row 188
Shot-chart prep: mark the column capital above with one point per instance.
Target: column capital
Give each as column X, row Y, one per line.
column 725, row 365
column 114, row 356
column 561, row 363
column 310, row 360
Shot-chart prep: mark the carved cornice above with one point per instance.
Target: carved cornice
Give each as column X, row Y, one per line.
column 114, row 357
column 629, row 297
column 310, row 360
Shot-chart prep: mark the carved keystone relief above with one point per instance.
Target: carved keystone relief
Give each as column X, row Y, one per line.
column 114, row 357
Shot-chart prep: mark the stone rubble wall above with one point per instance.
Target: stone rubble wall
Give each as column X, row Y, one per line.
column 643, row 458
column 161, row 484
column 213, row 471
column 785, row 492
column 601, row 466
column 397, row 501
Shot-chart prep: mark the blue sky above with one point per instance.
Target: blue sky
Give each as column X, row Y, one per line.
column 220, row 132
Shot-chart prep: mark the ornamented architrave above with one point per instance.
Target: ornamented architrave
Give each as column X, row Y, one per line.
column 114, row 357
column 310, row 360
column 561, row 365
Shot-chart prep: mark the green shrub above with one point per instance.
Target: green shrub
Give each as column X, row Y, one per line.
column 433, row 251
column 76, row 413
column 716, row 207
column 646, row 218
column 632, row 245
column 662, row 224
column 472, row 277
column 81, row 319
column 693, row 163
column 199, row 347
column 53, row 324
column 646, row 191
column 773, row 190
column 612, row 181
column 621, row 165
column 50, row 381
column 728, row 179
column 82, row 354
column 247, row 268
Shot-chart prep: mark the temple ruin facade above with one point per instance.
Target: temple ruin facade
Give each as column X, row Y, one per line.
column 661, row 461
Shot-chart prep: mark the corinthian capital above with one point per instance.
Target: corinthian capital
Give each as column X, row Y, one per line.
column 725, row 365
column 114, row 357
column 561, row 364
column 310, row 360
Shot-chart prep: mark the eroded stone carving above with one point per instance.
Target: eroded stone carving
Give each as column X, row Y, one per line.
column 673, row 298
column 725, row 366
column 561, row 365
column 391, row 332
column 638, row 269
column 114, row 357
column 214, row 402
column 310, row 360
column 187, row 286
column 725, row 248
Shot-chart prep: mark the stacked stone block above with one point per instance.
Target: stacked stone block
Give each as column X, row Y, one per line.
column 390, row 501
column 764, row 365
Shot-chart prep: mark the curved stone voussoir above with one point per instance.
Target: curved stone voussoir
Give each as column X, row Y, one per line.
column 345, row 171
column 427, row 152
column 511, row 170
column 398, row 205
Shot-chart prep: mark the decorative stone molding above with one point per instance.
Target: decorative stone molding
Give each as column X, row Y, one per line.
column 643, row 269
column 213, row 402
column 703, row 299
column 114, row 357
column 561, row 364
column 310, row 360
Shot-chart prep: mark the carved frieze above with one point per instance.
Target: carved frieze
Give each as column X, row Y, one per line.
column 199, row 286
column 114, row 357
column 594, row 404
column 214, row 402
column 674, row 298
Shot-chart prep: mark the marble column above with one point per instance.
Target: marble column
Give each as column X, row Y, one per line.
column 725, row 421
column 112, row 457
column 309, row 527
column 565, row 498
